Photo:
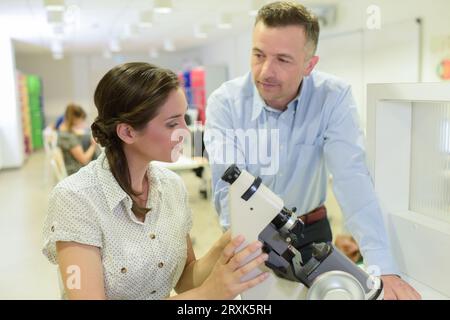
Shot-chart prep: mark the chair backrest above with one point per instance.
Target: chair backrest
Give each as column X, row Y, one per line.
column 57, row 164
column 50, row 139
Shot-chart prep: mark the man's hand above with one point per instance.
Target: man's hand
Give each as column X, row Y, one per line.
column 397, row 289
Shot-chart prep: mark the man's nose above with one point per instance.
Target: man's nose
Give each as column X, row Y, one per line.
column 268, row 69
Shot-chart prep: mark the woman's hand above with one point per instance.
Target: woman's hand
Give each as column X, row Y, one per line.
column 224, row 281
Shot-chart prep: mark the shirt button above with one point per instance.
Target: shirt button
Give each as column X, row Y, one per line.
column 160, row 265
column 52, row 228
column 153, row 292
column 123, row 270
column 152, row 236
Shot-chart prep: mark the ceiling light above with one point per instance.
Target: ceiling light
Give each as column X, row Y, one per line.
column 153, row 53
column 54, row 5
column 163, row 6
column 114, row 45
column 107, row 54
column 225, row 21
column 200, row 32
column 168, row 45
column 256, row 5
column 146, row 19
column 57, row 50
column 55, row 17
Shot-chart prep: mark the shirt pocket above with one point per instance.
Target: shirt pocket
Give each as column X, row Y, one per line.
column 125, row 276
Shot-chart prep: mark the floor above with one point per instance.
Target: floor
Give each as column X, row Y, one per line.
column 24, row 271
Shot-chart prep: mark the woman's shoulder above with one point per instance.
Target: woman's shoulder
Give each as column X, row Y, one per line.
column 84, row 179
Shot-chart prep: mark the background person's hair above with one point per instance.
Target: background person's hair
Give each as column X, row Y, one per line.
column 286, row 13
column 130, row 93
column 72, row 113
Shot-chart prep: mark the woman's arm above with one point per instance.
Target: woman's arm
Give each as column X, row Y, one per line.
column 81, row 270
column 82, row 156
column 196, row 271
column 223, row 279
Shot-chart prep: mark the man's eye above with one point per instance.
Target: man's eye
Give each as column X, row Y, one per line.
column 284, row 61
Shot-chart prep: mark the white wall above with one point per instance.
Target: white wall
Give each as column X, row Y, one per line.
column 11, row 137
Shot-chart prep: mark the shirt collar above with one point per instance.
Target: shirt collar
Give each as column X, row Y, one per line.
column 114, row 194
column 259, row 104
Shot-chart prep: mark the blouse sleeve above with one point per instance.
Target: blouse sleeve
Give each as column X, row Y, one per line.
column 69, row 218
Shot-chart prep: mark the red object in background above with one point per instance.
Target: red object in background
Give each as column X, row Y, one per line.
column 444, row 69
column 198, row 92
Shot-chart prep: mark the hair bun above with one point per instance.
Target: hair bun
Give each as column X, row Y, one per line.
column 100, row 133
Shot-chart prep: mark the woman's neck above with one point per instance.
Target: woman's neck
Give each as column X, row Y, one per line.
column 138, row 172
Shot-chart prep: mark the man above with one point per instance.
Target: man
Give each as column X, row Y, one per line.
column 311, row 118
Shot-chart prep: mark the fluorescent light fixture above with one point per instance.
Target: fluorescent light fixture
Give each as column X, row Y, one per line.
column 114, row 45
column 163, row 6
column 129, row 30
column 168, row 45
column 256, row 5
column 107, row 54
column 146, row 19
column 225, row 21
column 57, row 55
column 57, row 50
column 200, row 32
column 54, row 5
column 153, row 53
column 55, row 17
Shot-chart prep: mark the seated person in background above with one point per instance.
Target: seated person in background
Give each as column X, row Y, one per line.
column 70, row 140
column 347, row 244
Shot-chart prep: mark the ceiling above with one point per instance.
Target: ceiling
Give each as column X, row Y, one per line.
column 96, row 26
column 99, row 25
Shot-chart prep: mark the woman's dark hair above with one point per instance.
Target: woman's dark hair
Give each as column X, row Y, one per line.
column 73, row 112
column 130, row 93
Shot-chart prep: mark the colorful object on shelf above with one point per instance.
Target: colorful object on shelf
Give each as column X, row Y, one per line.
column 443, row 69
column 193, row 82
column 30, row 95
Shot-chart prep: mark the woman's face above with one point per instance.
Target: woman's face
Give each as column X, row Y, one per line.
column 162, row 138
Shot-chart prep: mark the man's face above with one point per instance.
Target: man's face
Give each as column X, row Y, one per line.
column 280, row 60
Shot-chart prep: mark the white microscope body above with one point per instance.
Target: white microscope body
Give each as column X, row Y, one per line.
column 257, row 213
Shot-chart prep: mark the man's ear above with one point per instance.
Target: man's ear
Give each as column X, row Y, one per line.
column 311, row 64
column 126, row 133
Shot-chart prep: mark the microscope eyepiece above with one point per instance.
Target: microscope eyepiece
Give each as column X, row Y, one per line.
column 231, row 174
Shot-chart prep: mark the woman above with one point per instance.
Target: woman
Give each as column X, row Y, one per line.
column 70, row 139
column 119, row 228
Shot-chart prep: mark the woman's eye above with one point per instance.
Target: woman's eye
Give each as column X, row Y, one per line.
column 172, row 125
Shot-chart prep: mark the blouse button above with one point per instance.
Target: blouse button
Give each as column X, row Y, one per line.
column 160, row 265
column 152, row 236
column 123, row 270
column 153, row 292
column 52, row 228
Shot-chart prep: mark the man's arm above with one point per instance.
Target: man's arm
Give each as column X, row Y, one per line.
column 345, row 158
column 223, row 150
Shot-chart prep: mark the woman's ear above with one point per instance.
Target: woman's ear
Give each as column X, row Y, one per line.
column 126, row 133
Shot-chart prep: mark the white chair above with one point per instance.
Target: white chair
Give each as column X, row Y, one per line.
column 57, row 164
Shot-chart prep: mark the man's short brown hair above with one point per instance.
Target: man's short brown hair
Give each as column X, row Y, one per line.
column 287, row 13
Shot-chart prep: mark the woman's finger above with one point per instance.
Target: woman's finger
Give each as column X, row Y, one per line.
column 250, row 266
column 230, row 248
column 240, row 258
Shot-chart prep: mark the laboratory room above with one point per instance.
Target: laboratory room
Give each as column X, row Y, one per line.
column 225, row 150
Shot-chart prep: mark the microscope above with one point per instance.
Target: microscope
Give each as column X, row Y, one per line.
column 257, row 213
